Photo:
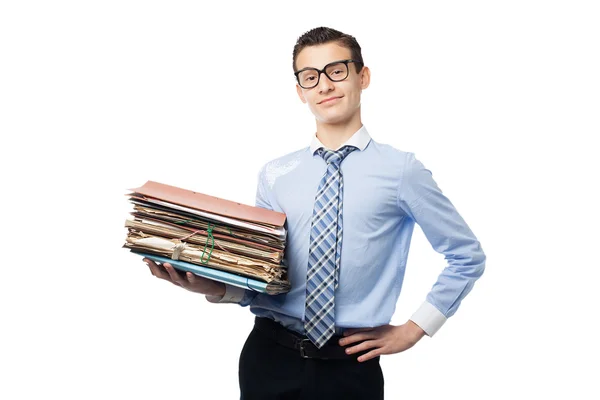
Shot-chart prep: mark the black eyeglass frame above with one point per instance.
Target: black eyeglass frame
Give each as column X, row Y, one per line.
column 322, row 71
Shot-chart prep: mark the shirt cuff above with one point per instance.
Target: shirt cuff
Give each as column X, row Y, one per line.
column 429, row 318
column 233, row 294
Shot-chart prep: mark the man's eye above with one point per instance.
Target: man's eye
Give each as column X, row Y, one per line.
column 337, row 71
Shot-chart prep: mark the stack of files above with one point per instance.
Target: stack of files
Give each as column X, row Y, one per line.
column 211, row 237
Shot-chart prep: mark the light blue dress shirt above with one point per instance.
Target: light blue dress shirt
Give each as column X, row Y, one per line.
column 386, row 191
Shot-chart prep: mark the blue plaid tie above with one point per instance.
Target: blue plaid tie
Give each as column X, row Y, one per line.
column 325, row 250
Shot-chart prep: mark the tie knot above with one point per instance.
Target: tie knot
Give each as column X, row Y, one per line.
column 335, row 156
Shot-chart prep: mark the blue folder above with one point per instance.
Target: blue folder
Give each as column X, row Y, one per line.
column 220, row 276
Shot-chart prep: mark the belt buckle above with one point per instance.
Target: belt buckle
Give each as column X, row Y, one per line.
column 302, row 349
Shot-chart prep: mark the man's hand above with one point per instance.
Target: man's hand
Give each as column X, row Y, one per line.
column 385, row 339
column 189, row 281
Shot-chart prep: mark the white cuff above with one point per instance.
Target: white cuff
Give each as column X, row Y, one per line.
column 233, row 294
column 429, row 318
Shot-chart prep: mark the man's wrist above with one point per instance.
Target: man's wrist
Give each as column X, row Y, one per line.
column 415, row 331
column 213, row 299
column 429, row 318
column 218, row 294
column 221, row 290
column 232, row 294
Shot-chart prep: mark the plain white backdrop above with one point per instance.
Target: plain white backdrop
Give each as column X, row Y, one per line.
column 500, row 100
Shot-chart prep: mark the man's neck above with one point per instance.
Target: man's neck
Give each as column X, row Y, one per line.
column 334, row 135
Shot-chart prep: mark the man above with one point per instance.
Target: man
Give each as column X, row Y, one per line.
column 351, row 205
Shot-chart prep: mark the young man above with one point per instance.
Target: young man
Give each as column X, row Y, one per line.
column 351, row 205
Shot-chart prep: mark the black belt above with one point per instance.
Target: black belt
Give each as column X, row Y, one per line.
column 306, row 348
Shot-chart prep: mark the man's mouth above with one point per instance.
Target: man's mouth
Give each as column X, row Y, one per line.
column 330, row 99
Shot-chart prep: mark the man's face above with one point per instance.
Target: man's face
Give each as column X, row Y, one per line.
column 346, row 94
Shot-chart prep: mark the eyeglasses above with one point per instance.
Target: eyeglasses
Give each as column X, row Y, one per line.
column 336, row 71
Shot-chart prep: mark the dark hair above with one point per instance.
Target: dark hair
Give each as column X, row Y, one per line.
column 322, row 35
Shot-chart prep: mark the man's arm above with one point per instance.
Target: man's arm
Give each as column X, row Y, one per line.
column 422, row 200
column 234, row 294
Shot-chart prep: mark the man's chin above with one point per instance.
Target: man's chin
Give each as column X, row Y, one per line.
column 331, row 118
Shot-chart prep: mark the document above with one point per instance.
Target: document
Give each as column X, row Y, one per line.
column 215, row 238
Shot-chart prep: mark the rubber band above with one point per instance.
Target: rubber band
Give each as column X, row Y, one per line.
column 251, row 288
column 210, row 236
column 191, row 234
column 215, row 243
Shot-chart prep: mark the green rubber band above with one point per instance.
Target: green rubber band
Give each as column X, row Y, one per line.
column 210, row 236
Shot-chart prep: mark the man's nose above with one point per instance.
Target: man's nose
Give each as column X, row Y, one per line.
column 325, row 84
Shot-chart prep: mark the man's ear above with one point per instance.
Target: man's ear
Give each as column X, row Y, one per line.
column 365, row 77
column 300, row 94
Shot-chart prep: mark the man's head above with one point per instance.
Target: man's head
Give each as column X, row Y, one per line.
column 339, row 56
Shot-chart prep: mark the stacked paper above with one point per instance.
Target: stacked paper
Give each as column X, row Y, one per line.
column 215, row 238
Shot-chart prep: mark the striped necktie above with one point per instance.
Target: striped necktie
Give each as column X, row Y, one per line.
column 325, row 250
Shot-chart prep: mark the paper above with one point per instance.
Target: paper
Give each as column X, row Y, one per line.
column 215, row 238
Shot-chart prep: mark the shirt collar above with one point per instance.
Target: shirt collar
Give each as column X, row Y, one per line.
column 359, row 139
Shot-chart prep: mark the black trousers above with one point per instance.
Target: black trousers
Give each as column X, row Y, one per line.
column 269, row 371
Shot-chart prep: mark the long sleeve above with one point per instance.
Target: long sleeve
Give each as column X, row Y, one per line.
column 422, row 200
column 235, row 294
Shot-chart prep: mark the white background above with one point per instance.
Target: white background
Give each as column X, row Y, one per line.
column 500, row 100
